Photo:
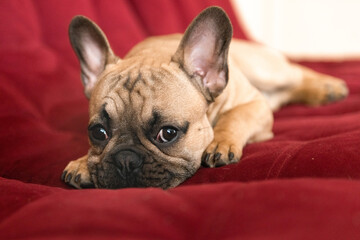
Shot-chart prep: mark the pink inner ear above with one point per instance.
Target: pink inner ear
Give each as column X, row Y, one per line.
column 201, row 53
column 203, row 61
column 215, row 81
column 94, row 55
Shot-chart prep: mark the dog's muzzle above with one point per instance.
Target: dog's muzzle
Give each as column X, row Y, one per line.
column 127, row 163
column 130, row 166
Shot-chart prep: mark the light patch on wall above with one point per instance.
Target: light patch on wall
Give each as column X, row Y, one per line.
column 304, row 29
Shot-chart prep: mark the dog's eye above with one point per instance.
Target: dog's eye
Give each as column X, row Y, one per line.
column 99, row 133
column 166, row 134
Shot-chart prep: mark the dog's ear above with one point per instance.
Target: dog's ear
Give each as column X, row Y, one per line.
column 92, row 49
column 203, row 51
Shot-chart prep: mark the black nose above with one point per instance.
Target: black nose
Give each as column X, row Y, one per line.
column 127, row 161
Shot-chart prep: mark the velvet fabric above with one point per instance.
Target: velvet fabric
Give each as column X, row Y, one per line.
column 303, row 184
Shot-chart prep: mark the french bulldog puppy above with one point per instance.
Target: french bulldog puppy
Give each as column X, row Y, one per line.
column 176, row 102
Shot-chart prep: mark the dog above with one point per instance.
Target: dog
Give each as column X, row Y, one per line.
column 177, row 102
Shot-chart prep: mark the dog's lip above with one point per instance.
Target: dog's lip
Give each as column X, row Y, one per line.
column 173, row 180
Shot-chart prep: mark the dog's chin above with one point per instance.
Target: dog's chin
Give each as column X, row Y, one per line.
column 152, row 173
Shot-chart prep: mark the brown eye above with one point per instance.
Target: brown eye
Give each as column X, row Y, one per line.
column 99, row 133
column 166, row 134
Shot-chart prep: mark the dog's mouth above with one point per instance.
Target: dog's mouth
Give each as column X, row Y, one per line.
column 138, row 171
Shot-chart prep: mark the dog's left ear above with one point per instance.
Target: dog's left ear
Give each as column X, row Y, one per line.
column 203, row 51
column 92, row 49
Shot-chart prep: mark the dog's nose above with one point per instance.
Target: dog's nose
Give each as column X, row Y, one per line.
column 127, row 161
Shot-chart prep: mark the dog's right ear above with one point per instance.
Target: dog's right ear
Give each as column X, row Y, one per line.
column 203, row 51
column 92, row 49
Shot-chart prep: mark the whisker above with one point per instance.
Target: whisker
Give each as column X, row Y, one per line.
column 204, row 128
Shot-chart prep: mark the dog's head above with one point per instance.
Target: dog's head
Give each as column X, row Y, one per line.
column 148, row 124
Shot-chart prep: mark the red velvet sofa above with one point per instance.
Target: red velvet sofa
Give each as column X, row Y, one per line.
column 303, row 184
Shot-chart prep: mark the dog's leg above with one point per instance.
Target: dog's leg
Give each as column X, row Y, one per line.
column 317, row 89
column 250, row 122
column 283, row 82
column 77, row 174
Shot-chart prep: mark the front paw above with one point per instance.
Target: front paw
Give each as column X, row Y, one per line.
column 220, row 153
column 76, row 174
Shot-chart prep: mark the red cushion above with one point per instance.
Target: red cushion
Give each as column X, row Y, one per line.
column 43, row 125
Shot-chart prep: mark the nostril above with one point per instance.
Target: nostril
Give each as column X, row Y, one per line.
column 127, row 161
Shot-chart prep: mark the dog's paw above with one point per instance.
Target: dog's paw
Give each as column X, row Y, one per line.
column 220, row 153
column 335, row 91
column 325, row 90
column 76, row 174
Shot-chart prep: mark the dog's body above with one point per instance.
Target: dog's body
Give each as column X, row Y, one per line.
column 172, row 104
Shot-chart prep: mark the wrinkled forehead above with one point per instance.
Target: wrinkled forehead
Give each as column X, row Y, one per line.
column 136, row 93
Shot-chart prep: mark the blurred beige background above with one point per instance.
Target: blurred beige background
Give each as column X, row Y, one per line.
column 304, row 29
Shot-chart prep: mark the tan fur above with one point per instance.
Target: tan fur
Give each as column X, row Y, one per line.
column 148, row 79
